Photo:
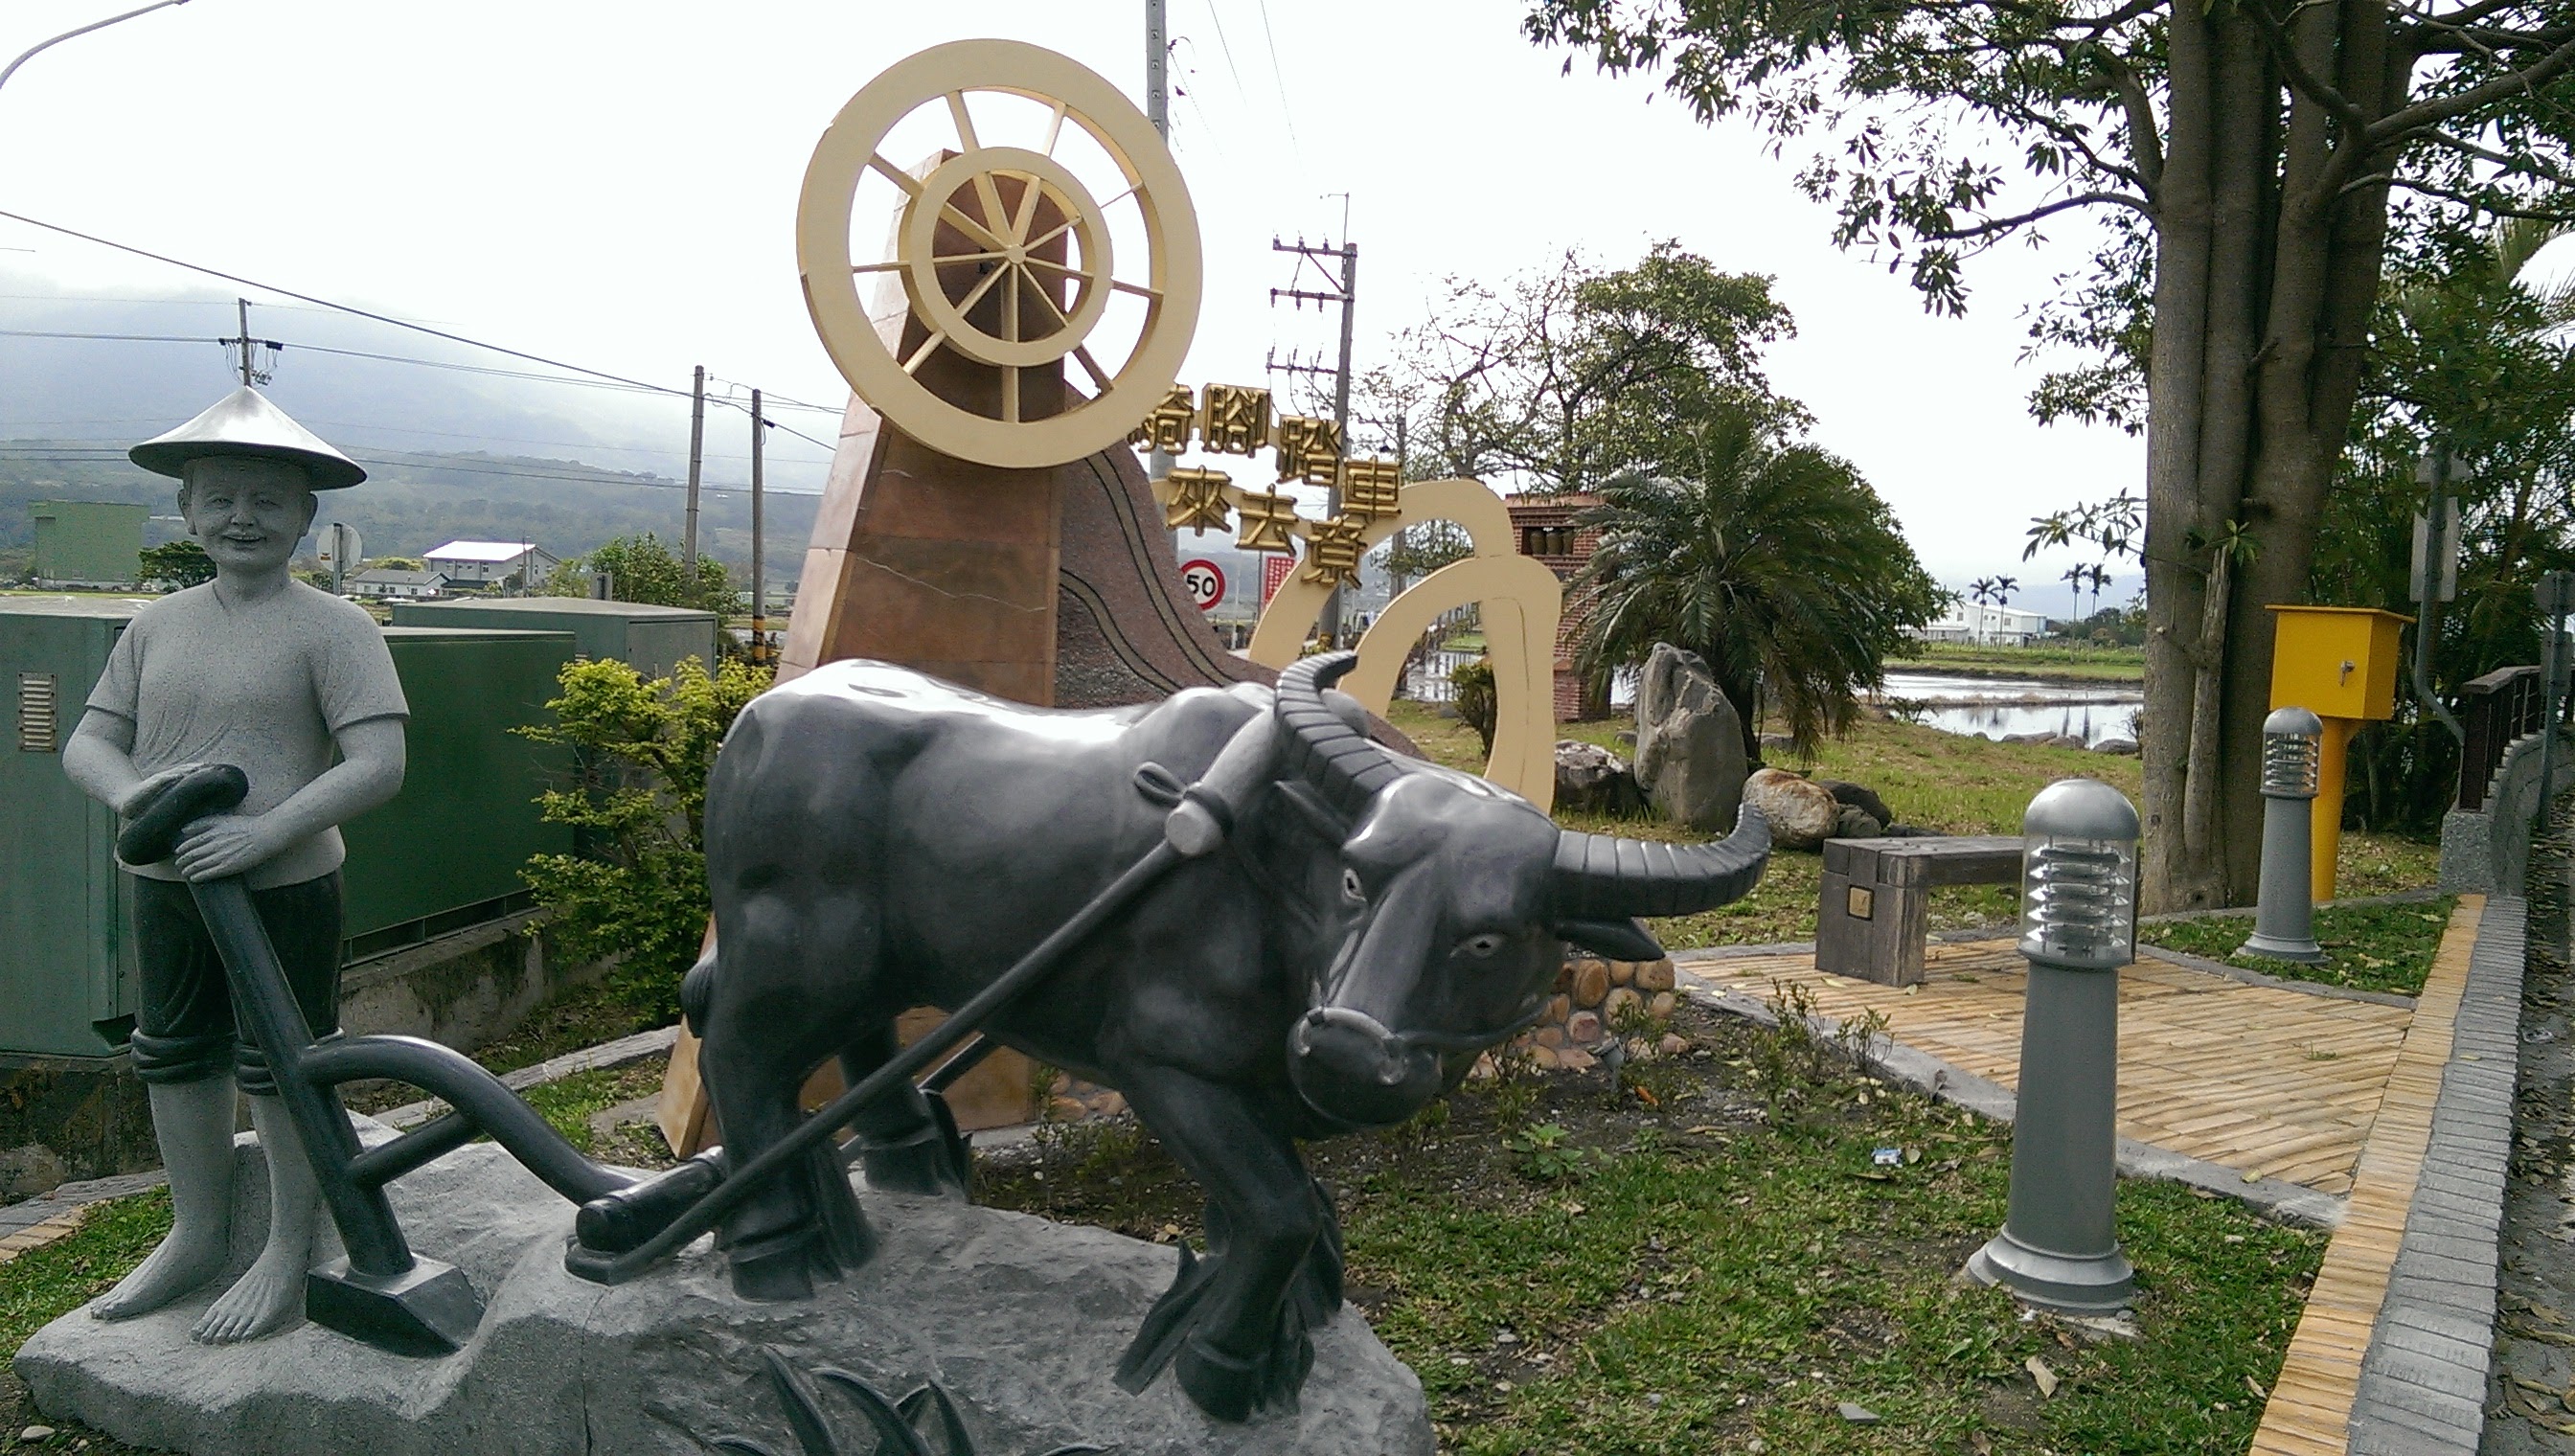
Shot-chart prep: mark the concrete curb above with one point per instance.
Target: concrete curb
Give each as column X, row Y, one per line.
column 1924, row 1072
column 623, row 1051
column 2423, row 1380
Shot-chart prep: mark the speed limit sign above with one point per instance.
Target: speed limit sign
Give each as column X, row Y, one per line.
column 1203, row 582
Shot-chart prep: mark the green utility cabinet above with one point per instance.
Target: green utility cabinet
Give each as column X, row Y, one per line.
column 444, row 854
column 650, row 639
column 66, row 938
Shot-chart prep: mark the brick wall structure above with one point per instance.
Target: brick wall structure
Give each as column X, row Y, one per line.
column 1543, row 526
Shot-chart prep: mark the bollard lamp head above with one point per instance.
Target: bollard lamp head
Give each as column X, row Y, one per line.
column 2079, row 877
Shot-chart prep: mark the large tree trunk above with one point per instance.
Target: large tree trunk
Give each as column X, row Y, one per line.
column 2266, row 270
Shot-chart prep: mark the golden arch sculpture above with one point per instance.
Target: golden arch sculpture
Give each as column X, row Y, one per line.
column 1522, row 604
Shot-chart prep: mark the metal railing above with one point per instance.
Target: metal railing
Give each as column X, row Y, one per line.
column 2497, row 709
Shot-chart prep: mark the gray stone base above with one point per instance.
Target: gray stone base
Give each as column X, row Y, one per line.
column 1021, row 1320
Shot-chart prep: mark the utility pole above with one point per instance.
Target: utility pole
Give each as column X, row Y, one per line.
column 250, row 374
column 697, row 464
column 1346, row 298
column 1157, row 110
column 1157, row 70
column 759, row 563
column 2436, row 576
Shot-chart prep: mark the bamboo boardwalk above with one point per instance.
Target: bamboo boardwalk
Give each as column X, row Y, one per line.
column 2269, row 1082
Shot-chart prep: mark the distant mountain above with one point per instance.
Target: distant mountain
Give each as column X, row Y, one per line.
column 409, row 507
column 456, row 442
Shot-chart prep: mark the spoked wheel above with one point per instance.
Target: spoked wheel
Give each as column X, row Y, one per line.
column 1005, row 255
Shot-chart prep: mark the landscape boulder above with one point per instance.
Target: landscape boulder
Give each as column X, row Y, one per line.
column 1591, row 779
column 2125, row 747
column 1854, row 823
column 1802, row 812
column 1865, row 800
column 1689, row 742
column 2066, row 740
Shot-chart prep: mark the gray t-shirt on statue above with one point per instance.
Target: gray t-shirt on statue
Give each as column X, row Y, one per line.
column 263, row 688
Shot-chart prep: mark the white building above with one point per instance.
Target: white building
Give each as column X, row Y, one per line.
column 475, row 564
column 1975, row 621
column 389, row 581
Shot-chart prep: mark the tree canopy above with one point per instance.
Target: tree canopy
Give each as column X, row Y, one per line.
column 1560, row 378
column 179, row 563
column 642, row 569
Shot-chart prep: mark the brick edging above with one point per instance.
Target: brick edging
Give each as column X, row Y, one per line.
column 2423, row 1381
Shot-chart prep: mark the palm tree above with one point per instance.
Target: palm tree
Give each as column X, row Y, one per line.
column 1983, row 589
column 2074, row 577
column 1774, row 561
column 2004, row 588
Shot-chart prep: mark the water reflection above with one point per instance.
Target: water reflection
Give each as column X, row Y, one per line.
column 2000, row 707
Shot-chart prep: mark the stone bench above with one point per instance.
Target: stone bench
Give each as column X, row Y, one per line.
column 1874, row 914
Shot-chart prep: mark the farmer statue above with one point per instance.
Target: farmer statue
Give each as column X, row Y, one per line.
column 294, row 687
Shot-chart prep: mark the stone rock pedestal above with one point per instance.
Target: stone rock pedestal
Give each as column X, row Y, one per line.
column 1021, row 1320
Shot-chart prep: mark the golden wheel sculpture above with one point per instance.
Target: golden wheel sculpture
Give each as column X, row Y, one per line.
column 1009, row 225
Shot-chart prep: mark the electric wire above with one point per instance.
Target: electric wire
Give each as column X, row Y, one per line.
column 338, row 307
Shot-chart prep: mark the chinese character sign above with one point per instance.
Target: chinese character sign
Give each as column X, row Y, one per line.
column 1167, row 426
column 1198, row 500
column 1236, row 420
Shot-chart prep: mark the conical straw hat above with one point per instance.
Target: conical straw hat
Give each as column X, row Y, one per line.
column 245, row 422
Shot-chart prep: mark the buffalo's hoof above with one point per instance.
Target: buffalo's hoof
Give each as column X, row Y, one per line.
column 773, row 1275
column 1227, row 1388
column 931, row 1162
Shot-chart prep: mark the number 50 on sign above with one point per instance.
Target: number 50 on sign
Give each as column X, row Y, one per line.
column 1203, row 582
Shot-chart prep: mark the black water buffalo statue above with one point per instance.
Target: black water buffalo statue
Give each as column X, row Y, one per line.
column 877, row 839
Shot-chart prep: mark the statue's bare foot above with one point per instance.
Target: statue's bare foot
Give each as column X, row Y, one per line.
column 260, row 1302
column 182, row 1263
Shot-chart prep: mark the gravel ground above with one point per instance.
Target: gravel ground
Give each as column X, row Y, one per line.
column 2530, row 1400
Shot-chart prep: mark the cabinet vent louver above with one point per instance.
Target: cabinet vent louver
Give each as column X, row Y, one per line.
column 39, row 726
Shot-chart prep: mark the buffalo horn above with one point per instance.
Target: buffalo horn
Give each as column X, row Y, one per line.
column 1601, row 877
column 1319, row 748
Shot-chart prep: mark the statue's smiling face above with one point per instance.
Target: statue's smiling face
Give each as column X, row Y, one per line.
column 247, row 514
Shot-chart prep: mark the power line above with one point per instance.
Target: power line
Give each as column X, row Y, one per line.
column 338, row 307
column 110, row 338
column 1287, row 113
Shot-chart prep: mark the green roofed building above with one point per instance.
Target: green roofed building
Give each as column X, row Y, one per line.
column 87, row 543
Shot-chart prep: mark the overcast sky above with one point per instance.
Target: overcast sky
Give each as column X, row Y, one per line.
column 616, row 185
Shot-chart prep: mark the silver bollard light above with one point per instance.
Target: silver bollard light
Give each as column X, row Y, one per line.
column 2284, row 917
column 2059, row 1247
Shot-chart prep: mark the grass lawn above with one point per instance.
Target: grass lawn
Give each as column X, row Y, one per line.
column 1950, row 783
column 1708, row 1253
column 2111, row 664
column 2368, row 947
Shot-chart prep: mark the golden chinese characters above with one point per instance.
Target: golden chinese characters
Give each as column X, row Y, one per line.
column 1198, row 500
column 1266, row 521
column 1236, row 420
column 1167, row 426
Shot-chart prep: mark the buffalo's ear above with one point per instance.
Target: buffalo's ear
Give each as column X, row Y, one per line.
column 1617, row 939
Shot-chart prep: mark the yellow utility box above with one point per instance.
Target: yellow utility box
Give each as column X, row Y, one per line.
column 2338, row 663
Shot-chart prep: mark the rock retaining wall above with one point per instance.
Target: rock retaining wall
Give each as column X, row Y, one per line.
column 1593, row 997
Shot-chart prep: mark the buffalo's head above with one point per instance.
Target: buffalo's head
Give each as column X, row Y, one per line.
column 1455, row 902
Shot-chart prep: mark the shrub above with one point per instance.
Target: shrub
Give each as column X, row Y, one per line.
column 636, row 889
column 1475, row 702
